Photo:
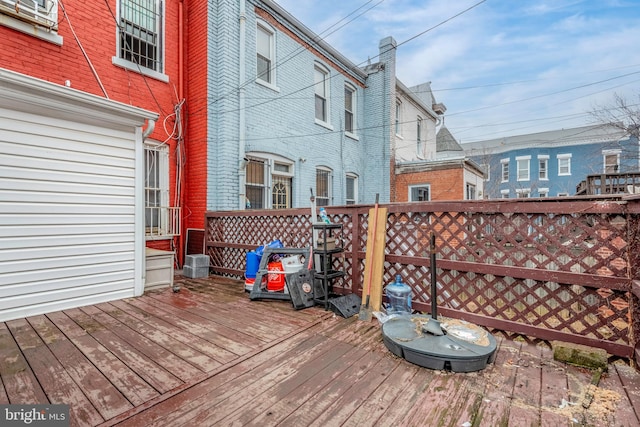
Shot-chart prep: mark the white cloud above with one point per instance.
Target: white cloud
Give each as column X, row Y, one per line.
column 549, row 46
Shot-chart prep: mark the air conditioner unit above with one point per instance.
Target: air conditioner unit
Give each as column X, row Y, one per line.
column 40, row 12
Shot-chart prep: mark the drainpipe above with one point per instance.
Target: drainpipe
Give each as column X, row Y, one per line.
column 151, row 124
column 180, row 50
column 180, row 178
column 242, row 163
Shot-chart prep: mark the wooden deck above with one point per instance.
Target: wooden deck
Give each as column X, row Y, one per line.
column 209, row 356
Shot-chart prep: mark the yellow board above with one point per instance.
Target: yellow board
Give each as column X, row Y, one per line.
column 374, row 260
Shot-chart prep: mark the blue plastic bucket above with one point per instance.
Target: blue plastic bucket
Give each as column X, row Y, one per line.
column 253, row 263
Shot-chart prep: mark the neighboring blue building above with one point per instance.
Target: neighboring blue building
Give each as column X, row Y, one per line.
column 286, row 112
column 551, row 164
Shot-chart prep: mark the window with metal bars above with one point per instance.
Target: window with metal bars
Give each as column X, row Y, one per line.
column 160, row 218
column 270, row 176
column 140, row 31
column 255, row 183
column 323, row 186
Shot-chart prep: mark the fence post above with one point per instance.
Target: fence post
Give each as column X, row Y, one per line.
column 633, row 237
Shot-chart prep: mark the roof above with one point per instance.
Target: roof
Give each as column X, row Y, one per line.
column 555, row 138
column 446, row 142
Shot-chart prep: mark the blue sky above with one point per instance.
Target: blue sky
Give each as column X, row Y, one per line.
column 504, row 67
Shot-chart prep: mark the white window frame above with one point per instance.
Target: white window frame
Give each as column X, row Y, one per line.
column 24, row 15
column 270, row 176
column 419, row 141
column 523, row 193
column 324, row 192
column 504, row 194
column 353, row 179
column 543, row 192
column 161, row 220
column 611, row 153
column 321, row 78
column 418, row 187
column 564, row 158
column 543, row 172
column 524, row 168
column 398, row 123
column 471, row 191
column 504, row 169
column 487, row 170
column 271, row 34
column 350, row 111
column 131, row 64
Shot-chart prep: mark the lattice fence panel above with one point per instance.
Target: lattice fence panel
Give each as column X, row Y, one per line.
column 592, row 241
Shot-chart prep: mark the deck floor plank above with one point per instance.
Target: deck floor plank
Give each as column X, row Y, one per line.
column 525, row 405
column 199, row 351
column 631, row 384
column 263, row 363
column 53, row 377
column 231, row 343
column 500, row 380
column 104, row 396
column 235, row 394
column 271, row 383
column 190, row 399
column 271, row 408
column 351, row 398
column 409, row 397
column 20, row 383
column 129, row 383
column 377, row 403
column 612, row 400
column 311, row 409
column 237, row 342
column 4, row 399
column 251, row 323
column 154, row 374
column 554, row 390
column 179, row 367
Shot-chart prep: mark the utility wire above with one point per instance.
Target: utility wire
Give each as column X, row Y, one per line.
column 84, row 52
column 314, row 43
column 287, row 96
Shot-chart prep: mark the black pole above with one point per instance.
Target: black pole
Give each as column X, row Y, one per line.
column 434, row 290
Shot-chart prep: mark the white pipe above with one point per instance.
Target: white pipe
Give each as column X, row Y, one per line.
column 151, row 124
column 241, row 108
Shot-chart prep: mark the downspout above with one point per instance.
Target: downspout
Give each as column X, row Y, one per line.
column 151, row 125
column 180, row 50
column 180, row 177
column 242, row 163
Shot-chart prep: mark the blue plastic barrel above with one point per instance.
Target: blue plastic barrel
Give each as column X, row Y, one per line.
column 253, row 263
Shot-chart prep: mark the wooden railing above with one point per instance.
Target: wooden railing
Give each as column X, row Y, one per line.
column 609, row 183
column 555, row 269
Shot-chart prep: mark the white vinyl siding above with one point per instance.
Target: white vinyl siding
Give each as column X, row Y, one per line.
column 71, row 223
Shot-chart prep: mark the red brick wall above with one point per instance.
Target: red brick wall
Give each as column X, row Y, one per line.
column 95, row 27
column 446, row 184
column 195, row 188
